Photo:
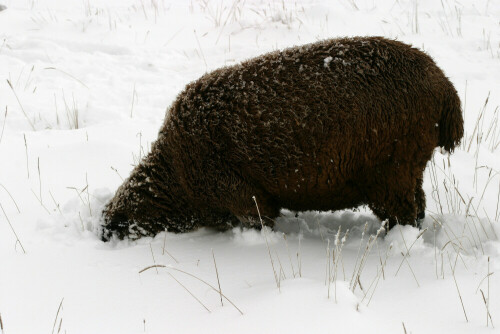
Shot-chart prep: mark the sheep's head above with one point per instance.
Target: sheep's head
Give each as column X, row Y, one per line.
column 129, row 208
column 148, row 202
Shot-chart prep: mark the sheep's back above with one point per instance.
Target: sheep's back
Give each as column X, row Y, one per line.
column 315, row 115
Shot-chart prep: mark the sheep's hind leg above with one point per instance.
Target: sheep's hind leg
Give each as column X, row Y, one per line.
column 395, row 199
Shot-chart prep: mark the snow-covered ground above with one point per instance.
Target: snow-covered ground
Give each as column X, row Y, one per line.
column 84, row 85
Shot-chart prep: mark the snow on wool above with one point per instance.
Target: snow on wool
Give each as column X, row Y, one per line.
column 244, row 142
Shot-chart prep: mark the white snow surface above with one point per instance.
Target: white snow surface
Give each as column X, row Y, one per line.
column 84, row 86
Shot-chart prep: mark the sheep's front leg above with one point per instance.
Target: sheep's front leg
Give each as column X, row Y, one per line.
column 420, row 200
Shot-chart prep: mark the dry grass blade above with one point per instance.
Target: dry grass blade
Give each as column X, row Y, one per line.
column 276, row 278
column 498, row 202
column 3, row 126
column 153, row 256
column 195, row 277
column 116, row 171
column 12, row 198
column 491, row 224
column 358, row 271
column 166, row 251
column 26, row 150
column 218, row 280
column 357, row 256
column 408, row 252
column 486, row 299
column 12, row 228
column 458, row 290
column 199, row 301
column 411, row 269
column 22, row 109
column 39, row 201
column 339, row 246
column 402, row 236
column 72, row 112
column 476, row 127
column 69, row 75
column 1, row 323
column 455, row 246
column 79, row 193
column 39, row 179
column 382, row 272
column 488, row 315
column 281, row 272
column 164, row 242
column 57, row 315
column 485, row 277
column 368, row 248
column 58, row 207
column 88, row 194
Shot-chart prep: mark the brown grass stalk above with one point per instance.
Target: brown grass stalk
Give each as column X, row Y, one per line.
column 12, row 228
column 199, row 301
column 218, row 280
column 267, row 244
column 69, row 75
column 195, row 277
column 357, row 256
column 458, row 290
column 165, row 250
column 19, row 102
column 26, row 150
column 12, row 198
column 382, row 271
column 3, row 126
column 488, row 314
column 153, row 256
column 408, row 252
column 57, row 315
column 368, row 248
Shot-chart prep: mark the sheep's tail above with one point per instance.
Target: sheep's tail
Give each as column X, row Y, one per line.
column 451, row 124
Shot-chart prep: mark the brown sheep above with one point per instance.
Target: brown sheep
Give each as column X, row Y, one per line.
column 325, row 126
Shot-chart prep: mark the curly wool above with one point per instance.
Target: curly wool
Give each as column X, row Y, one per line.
column 324, row 126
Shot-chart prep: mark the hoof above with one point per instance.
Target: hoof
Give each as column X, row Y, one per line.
column 420, row 219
